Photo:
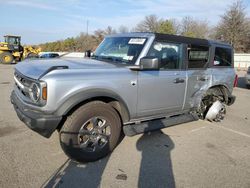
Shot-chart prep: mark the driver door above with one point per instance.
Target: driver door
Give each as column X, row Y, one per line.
column 162, row 91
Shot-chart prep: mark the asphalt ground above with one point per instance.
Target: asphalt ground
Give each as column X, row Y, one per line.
column 196, row 154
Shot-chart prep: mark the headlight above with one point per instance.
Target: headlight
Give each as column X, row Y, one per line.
column 35, row 92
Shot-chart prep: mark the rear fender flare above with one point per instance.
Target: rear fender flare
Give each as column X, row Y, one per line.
column 196, row 100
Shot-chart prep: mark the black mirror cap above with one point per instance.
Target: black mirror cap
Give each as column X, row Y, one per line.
column 149, row 63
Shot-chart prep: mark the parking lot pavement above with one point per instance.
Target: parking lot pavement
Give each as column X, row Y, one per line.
column 196, row 154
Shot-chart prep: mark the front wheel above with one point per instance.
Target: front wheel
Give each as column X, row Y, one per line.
column 6, row 57
column 91, row 132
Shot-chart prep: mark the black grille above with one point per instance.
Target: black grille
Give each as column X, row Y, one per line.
column 25, row 82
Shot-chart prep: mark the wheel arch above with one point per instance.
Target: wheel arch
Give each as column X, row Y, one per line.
column 110, row 97
column 198, row 97
column 224, row 90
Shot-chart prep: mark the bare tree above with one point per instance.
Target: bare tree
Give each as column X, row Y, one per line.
column 85, row 42
column 234, row 27
column 109, row 30
column 123, row 29
column 99, row 35
column 194, row 28
column 186, row 26
column 149, row 24
column 168, row 26
column 247, row 42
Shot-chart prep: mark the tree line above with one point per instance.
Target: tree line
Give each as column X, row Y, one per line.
column 233, row 28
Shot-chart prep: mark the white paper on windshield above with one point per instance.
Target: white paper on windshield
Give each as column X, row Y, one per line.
column 137, row 41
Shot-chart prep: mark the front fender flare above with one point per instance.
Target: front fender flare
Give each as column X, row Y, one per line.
column 88, row 95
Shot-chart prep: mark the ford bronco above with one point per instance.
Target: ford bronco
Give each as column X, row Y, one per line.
column 132, row 83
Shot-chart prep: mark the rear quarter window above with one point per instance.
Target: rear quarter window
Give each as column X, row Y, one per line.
column 222, row 57
column 197, row 56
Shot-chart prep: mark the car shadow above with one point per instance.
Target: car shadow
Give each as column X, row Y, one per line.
column 155, row 166
column 73, row 174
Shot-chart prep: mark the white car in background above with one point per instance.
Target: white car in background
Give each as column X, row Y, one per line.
column 49, row 55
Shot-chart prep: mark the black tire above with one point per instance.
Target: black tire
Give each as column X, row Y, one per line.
column 248, row 86
column 69, row 133
column 6, row 58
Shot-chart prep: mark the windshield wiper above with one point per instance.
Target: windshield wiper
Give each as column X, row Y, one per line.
column 111, row 59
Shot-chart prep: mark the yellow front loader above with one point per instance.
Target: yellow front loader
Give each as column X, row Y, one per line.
column 11, row 50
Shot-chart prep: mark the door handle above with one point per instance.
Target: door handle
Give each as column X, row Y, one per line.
column 179, row 80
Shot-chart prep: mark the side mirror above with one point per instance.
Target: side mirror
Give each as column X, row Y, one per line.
column 149, row 63
column 88, row 53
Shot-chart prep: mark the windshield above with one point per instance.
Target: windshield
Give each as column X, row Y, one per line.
column 123, row 50
column 12, row 40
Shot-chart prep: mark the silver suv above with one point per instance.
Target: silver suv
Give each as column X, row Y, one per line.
column 133, row 83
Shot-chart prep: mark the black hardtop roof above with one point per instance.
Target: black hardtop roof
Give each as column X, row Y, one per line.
column 173, row 38
column 189, row 40
column 12, row 36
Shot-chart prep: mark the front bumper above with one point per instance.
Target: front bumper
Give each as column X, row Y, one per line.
column 39, row 122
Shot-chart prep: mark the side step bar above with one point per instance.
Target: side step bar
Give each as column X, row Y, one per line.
column 134, row 129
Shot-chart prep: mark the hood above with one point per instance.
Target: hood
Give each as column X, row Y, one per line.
column 35, row 69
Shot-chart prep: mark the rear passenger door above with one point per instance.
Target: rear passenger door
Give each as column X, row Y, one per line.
column 199, row 76
column 162, row 91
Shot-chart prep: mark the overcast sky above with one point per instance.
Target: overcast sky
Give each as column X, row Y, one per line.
column 39, row 21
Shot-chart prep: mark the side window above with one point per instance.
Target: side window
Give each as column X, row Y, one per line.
column 223, row 57
column 169, row 54
column 11, row 40
column 197, row 56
